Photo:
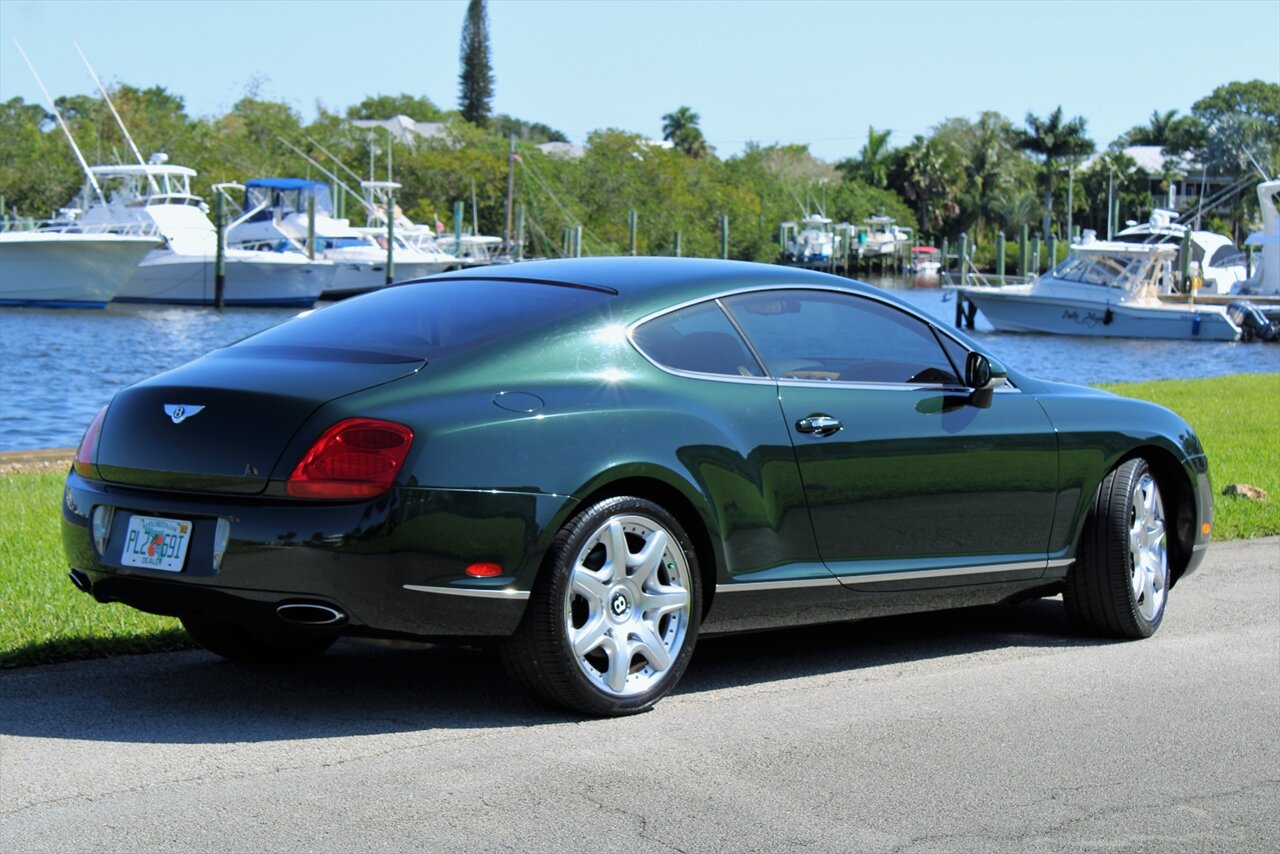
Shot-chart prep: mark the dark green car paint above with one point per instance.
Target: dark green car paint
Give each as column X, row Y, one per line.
column 918, row 480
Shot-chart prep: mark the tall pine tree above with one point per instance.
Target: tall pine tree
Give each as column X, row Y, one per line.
column 475, row 81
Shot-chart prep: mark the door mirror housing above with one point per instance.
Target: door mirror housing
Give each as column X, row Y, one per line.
column 983, row 375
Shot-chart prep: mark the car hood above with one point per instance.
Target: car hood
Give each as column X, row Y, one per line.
column 220, row 423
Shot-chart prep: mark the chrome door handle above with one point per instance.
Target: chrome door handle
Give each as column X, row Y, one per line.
column 822, row 425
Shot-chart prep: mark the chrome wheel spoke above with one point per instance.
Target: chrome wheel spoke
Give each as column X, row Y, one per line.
column 648, row 559
column 1147, row 541
column 619, row 653
column 649, row 645
column 614, row 539
column 590, row 586
column 663, row 601
column 590, row 636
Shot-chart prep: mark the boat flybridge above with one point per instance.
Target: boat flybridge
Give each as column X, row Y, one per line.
column 1222, row 265
column 275, row 219
column 158, row 194
column 1106, row 288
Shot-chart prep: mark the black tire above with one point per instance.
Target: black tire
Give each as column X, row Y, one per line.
column 629, row 616
column 1118, row 586
column 258, row 644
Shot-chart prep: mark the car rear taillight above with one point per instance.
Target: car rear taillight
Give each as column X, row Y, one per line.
column 355, row 458
column 86, row 458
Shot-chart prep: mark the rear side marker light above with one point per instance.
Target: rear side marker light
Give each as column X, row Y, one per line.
column 484, row 570
column 86, row 458
column 355, row 458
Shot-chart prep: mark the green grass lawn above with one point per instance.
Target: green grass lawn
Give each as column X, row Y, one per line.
column 43, row 618
column 1238, row 420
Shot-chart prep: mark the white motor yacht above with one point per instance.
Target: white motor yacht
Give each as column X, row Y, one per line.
column 275, row 219
column 1222, row 265
column 64, row 264
column 183, row 270
column 1104, row 288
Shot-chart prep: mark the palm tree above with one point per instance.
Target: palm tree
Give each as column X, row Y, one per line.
column 872, row 163
column 681, row 129
column 1054, row 140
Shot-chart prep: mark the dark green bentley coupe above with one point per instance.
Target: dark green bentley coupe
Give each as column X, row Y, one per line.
column 589, row 463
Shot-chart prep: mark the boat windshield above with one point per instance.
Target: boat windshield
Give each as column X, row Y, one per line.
column 1119, row 271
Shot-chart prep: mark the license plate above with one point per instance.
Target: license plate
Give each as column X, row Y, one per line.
column 153, row 543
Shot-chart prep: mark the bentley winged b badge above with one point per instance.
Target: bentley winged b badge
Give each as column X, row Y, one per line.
column 179, row 412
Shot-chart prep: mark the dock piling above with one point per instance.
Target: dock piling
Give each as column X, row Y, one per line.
column 220, row 256
column 391, row 234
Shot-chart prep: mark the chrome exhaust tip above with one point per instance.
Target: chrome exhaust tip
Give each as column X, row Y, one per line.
column 311, row 614
column 81, row 581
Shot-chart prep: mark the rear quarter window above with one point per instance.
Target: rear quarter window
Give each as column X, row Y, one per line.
column 425, row 320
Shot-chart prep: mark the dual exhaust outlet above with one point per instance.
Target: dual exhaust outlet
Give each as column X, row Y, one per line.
column 299, row 613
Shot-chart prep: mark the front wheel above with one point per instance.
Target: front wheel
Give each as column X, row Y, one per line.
column 612, row 621
column 1119, row 583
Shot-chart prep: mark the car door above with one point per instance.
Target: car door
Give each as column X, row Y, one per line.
column 906, row 475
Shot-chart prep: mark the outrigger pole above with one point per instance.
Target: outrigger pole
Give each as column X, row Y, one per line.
column 62, row 124
column 119, row 121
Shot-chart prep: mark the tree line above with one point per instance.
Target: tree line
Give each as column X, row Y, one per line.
column 976, row 176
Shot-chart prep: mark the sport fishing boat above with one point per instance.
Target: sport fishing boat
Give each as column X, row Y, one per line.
column 158, row 195
column 62, row 264
column 882, row 236
column 1105, row 288
column 275, row 219
column 379, row 197
column 814, row 242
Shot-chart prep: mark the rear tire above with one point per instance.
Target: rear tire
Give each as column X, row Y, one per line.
column 1119, row 583
column 258, row 644
column 613, row 618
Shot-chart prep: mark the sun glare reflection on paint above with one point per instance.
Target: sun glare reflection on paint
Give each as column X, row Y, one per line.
column 613, row 376
column 614, row 333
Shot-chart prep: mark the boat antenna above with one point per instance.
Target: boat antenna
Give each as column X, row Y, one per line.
column 332, row 177
column 336, row 161
column 151, row 181
column 62, row 124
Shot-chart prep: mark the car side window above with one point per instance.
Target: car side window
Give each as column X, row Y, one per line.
column 699, row 339
column 822, row 335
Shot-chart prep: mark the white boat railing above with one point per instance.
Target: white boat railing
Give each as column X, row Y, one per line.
column 62, row 226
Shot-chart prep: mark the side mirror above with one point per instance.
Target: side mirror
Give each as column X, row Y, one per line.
column 983, row 374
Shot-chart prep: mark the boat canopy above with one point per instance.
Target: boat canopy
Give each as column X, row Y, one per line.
column 286, row 195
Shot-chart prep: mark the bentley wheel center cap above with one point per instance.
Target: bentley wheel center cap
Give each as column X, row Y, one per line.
column 619, row 604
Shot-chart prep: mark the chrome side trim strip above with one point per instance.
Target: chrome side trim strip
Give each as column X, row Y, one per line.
column 471, row 591
column 911, row 575
column 1061, row 562
column 753, row 586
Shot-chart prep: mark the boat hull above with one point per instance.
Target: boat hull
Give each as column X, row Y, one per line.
column 358, row 277
column 266, row 281
column 63, row 270
column 1010, row 311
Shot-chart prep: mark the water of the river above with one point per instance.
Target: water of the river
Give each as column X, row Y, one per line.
column 57, row 368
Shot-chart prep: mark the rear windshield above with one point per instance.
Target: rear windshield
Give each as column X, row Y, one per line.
column 427, row 320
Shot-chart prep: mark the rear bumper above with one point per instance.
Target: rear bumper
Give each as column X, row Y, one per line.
column 394, row 566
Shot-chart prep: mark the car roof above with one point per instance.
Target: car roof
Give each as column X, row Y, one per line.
column 642, row 281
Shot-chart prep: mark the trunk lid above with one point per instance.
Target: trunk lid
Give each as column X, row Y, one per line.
column 220, row 423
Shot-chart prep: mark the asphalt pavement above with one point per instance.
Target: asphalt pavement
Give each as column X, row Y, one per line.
column 990, row 729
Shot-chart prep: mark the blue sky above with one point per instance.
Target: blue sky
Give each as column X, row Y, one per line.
column 805, row 71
